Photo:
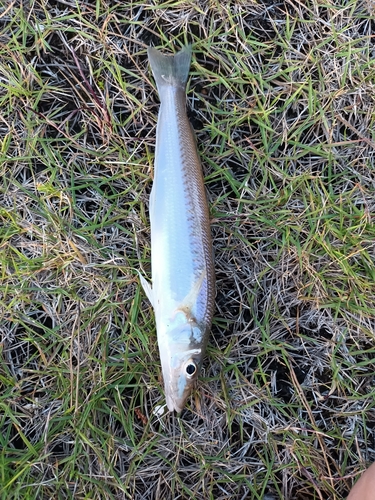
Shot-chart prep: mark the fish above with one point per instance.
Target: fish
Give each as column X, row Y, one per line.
column 182, row 266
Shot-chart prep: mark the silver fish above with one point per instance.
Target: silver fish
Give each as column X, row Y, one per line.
column 183, row 281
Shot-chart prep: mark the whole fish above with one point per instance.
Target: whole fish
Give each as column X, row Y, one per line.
column 183, row 281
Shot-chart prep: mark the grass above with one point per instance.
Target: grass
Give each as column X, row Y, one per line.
column 282, row 99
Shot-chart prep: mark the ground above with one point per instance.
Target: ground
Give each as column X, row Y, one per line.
column 282, row 99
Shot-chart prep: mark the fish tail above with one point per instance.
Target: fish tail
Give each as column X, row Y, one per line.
column 170, row 70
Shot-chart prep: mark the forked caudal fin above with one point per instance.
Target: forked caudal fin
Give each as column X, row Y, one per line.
column 170, row 70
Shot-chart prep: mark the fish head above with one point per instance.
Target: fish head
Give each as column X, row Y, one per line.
column 181, row 359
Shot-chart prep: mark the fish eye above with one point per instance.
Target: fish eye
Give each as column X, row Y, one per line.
column 191, row 368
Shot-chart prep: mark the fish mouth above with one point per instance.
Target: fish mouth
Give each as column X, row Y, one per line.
column 174, row 405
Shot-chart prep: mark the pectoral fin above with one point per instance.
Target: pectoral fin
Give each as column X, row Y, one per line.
column 187, row 305
column 147, row 288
